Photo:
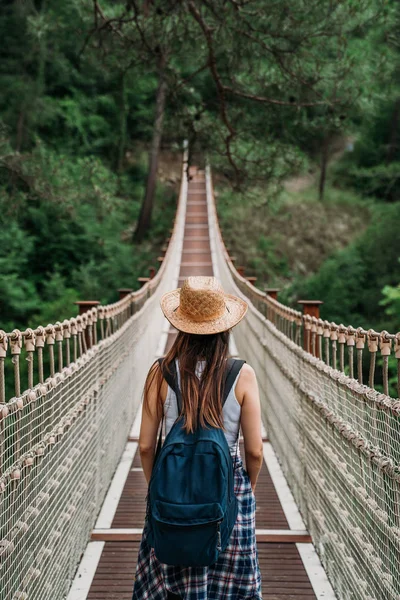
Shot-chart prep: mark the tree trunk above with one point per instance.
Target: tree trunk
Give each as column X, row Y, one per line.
column 42, row 56
column 324, row 165
column 148, row 201
column 122, row 125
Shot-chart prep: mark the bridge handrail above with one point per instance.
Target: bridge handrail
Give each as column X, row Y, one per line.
column 62, row 437
column 337, row 440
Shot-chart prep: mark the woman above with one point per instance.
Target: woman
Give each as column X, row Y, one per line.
column 204, row 315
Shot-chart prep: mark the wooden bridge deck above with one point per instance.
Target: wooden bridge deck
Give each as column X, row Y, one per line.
column 284, row 576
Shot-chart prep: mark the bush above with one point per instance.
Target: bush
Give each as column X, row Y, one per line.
column 67, row 234
column 350, row 282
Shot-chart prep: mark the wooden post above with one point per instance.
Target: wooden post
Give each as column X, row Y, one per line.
column 251, row 279
column 84, row 306
column 143, row 280
column 240, row 270
column 310, row 307
column 271, row 314
column 123, row 292
column 273, row 292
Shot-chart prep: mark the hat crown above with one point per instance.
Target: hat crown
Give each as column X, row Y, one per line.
column 201, row 306
column 202, row 298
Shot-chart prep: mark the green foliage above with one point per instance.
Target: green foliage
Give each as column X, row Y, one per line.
column 69, row 236
column 373, row 168
column 350, row 283
column 258, row 85
column 391, row 300
column 290, row 234
column 267, row 261
column 74, row 120
column 18, row 294
column 58, row 300
column 381, row 180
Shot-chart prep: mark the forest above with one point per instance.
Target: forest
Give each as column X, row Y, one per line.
column 296, row 106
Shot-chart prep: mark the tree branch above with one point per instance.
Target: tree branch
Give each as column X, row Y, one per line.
column 212, row 63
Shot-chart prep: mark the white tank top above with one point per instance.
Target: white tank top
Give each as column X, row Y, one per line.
column 230, row 412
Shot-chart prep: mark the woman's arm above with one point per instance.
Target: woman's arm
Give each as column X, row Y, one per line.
column 150, row 422
column 251, row 423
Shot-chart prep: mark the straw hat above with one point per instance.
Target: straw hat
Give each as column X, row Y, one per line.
column 201, row 306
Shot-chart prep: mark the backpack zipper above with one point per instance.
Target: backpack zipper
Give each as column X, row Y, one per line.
column 219, row 547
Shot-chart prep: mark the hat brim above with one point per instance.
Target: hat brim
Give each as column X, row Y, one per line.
column 236, row 309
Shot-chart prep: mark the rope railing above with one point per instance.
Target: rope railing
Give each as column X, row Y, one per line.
column 337, row 438
column 64, row 431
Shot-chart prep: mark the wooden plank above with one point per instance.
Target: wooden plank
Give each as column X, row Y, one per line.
column 196, row 270
column 116, row 535
column 116, row 488
column 192, row 264
column 196, row 255
column 282, row 572
column 286, row 538
column 283, row 492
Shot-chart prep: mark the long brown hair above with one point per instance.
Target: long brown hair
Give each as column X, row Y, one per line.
column 201, row 398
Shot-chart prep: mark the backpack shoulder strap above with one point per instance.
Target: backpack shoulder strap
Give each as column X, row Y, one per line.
column 233, row 367
column 172, row 379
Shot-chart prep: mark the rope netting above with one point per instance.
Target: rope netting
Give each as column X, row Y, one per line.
column 337, row 439
column 62, row 437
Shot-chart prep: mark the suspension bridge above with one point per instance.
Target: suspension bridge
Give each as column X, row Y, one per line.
column 72, row 490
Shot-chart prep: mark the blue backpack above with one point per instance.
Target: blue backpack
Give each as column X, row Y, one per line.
column 191, row 504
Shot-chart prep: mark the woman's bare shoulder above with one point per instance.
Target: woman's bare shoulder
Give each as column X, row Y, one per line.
column 247, row 371
column 246, row 379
